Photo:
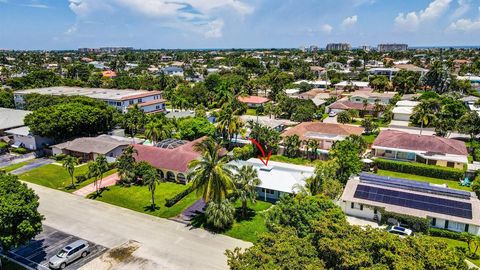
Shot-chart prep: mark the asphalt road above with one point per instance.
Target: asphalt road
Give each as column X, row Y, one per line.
column 166, row 244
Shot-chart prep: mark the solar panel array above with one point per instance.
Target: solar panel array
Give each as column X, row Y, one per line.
column 414, row 201
column 412, row 185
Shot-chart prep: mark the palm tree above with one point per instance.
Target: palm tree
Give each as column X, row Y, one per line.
column 246, row 181
column 96, row 169
column 69, row 164
column 94, row 172
column 220, row 214
column 425, row 113
column 211, row 175
column 313, row 145
column 126, row 165
column 151, row 179
column 102, row 166
column 152, row 130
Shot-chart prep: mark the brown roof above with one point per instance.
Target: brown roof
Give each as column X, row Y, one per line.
column 322, row 128
column 428, row 143
column 348, row 105
column 102, row 144
column 253, row 99
column 144, row 94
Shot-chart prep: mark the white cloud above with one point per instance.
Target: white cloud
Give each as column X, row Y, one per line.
column 412, row 20
column 463, row 7
column 465, row 25
column 214, row 29
column 349, row 21
column 326, row 28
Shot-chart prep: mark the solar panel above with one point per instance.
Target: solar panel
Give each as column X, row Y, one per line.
column 412, row 185
column 414, row 201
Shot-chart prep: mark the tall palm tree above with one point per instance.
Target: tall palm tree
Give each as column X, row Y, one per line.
column 246, row 180
column 211, row 175
column 96, row 169
column 69, row 164
column 126, row 165
column 94, row 172
column 151, row 179
column 313, row 145
column 153, row 130
column 102, row 165
column 425, row 113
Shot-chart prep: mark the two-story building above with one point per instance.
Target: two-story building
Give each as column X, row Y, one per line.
column 122, row 99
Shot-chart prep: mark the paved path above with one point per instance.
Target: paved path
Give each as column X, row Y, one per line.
column 9, row 159
column 32, row 165
column 108, row 181
column 167, row 244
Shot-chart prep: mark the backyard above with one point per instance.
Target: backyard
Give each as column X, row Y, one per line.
column 460, row 244
column 55, row 176
column 449, row 183
column 138, row 198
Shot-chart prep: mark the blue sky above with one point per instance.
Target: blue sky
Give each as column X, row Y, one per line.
column 69, row 24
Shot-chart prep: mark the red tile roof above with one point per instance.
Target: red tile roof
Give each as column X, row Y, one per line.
column 109, row 74
column 428, row 143
column 323, row 128
column 348, row 105
column 253, row 99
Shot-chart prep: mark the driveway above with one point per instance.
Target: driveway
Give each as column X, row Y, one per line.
column 39, row 250
column 332, row 120
column 108, row 181
column 32, row 165
column 164, row 243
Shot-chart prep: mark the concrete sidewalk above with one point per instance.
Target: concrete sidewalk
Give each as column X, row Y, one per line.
column 108, row 181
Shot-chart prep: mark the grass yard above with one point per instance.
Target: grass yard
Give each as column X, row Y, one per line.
column 457, row 243
column 16, row 166
column 296, row 161
column 370, row 138
column 248, row 229
column 450, row 183
column 138, row 198
column 251, row 111
column 56, row 177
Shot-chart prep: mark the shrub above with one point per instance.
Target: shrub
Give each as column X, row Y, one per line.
column 59, row 157
column 446, row 234
column 172, row 201
column 420, row 169
column 3, row 145
column 19, row 150
column 416, row 223
column 221, row 215
column 81, row 178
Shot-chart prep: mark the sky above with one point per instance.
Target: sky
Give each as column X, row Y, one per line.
column 193, row 24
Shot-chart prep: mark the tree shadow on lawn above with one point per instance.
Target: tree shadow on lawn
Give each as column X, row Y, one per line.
column 96, row 195
column 150, row 208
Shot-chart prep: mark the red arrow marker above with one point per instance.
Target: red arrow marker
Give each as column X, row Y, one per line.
column 267, row 158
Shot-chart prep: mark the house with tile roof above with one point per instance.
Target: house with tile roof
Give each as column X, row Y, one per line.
column 428, row 149
column 253, row 101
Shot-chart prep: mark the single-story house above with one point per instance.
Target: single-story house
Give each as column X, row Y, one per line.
column 89, row 148
column 172, row 70
column 292, row 92
column 253, row 101
column 22, row 137
column 368, row 195
column 170, row 157
column 345, row 105
column 403, row 110
column 324, row 133
column 109, row 74
column 357, row 84
column 371, row 97
column 428, row 149
column 277, row 178
column 11, row 118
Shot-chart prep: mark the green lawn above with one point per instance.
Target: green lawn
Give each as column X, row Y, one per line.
column 251, row 111
column 56, row 177
column 457, row 243
column 450, row 183
column 138, row 198
column 16, row 166
column 296, row 161
column 370, row 138
column 247, row 229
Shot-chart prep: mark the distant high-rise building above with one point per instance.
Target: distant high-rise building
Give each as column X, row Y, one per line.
column 392, row 47
column 339, row 47
column 105, row 49
column 313, row 48
column 365, row 48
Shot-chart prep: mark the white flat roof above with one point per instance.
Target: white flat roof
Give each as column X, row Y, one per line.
column 11, row 118
column 403, row 110
column 282, row 177
column 355, row 83
column 97, row 93
column 407, row 103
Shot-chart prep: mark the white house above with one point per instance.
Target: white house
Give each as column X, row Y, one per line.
column 403, row 110
column 23, row 138
column 368, row 195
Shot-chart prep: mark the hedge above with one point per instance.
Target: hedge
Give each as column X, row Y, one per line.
column 420, row 169
column 446, row 234
column 172, row 201
column 416, row 223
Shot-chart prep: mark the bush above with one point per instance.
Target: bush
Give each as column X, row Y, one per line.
column 19, row 150
column 81, row 178
column 416, row 223
column 244, row 152
column 59, row 157
column 420, row 169
column 172, row 201
column 446, row 234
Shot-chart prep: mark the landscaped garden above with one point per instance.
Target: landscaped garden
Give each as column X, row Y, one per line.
column 138, row 198
column 56, row 176
column 449, row 183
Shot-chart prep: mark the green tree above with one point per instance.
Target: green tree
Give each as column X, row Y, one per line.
column 151, row 179
column 292, row 146
column 20, row 219
column 369, row 125
column 424, row 113
column 153, row 130
column 126, row 165
column 134, row 119
column 211, row 175
column 194, row 128
column 96, row 169
column 470, row 124
column 220, row 214
column 344, row 117
column 347, row 154
column 246, row 180
column 6, row 99
column 69, row 164
column 324, row 181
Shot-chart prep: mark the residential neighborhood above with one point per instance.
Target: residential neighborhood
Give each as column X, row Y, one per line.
column 316, row 136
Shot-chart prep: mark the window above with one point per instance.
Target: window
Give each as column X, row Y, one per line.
column 375, row 211
column 263, row 190
column 450, row 164
column 157, row 107
column 352, row 205
column 466, row 227
column 432, row 162
column 130, row 102
column 139, row 100
column 434, row 221
column 361, row 207
column 446, row 224
column 119, row 104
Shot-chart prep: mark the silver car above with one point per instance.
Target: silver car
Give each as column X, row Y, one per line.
column 69, row 254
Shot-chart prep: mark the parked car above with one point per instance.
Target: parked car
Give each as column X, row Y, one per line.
column 399, row 230
column 332, row 114
column 68, row 254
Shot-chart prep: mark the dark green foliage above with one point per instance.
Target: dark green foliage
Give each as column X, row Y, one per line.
column 69, row 120
column 169, row 202
column 347, row 153
column 6, row 99
column 194, row 128
column 416, row 223
column 267, row 137
column 420, row 169
column 298, row 110
column 446, row 234
column 35, row 79
column 19, row 150
column 19, row 217
column 81, row 178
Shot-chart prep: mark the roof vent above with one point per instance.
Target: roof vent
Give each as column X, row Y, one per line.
column 266, row 168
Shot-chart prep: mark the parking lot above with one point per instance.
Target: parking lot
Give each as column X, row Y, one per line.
column 39, row 250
